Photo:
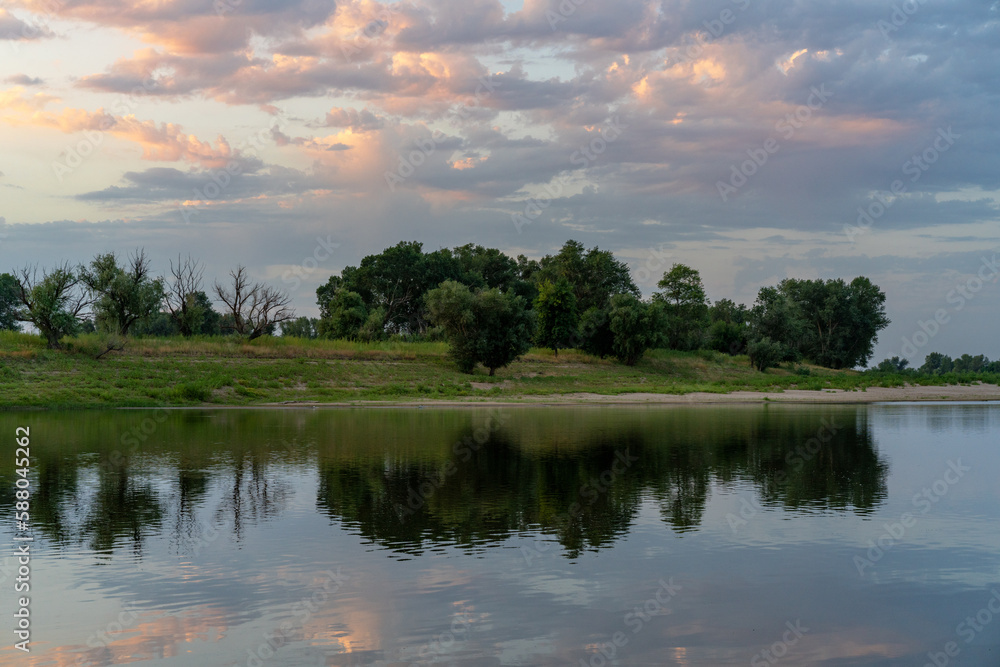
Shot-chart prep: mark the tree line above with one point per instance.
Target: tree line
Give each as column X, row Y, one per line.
column 936, row 363
column 490, row 307
column 121, row 297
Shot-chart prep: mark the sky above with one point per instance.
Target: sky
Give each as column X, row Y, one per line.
column 753, row 140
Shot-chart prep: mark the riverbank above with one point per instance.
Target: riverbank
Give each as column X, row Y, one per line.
column 273, row 372
column 909, row 393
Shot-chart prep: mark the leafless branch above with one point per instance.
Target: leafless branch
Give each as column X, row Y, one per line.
column 255, row 307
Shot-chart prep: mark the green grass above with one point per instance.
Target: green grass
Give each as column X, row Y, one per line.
column 223, row 371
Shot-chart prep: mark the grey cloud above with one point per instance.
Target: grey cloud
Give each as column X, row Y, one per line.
column 359, row 121
column 24, row 80
column 14, row 29
column 165, row 184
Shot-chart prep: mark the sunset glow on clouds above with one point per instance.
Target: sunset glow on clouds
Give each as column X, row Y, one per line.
column 242, row 130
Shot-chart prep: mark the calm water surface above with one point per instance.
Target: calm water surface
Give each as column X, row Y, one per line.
column 751, row 535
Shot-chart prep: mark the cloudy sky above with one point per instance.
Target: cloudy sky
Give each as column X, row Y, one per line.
column 741, row 137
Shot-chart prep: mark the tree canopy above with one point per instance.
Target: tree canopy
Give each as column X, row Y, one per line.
column 839, row 321
column 8, row 303
column 595, row 275
column 122, row 295
column 557, row 314
column 484, row 326
column 52, row 301
column 686, row 307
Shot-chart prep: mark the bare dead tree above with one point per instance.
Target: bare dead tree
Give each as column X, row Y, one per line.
column 255, row 307
column 181, row 295
column 51, row 301
column 235, row 298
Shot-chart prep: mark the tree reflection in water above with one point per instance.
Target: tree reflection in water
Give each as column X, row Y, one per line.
column 408, row 480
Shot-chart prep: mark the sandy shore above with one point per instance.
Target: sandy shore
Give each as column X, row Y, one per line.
column 977, row 392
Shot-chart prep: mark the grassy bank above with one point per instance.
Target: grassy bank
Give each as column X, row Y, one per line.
column 224, row 371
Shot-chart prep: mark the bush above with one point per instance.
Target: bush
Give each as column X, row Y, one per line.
column 595, row 333
column 486, row 326
column 636, row 327
column 765, row 353
column 191, row 391
column 727, row 337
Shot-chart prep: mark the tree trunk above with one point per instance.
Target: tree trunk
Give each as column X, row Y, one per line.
column 53, row 341
column 491, row 371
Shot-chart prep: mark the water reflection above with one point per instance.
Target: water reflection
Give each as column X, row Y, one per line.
column 213, row 527
column 413, row 480
column 583, row 481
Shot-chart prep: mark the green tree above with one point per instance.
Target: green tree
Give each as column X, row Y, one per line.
column 894, row 365
column 486, row 267
column 729, row 327
column 557, row 315
column 8, row 303
column 936, row 363
column 122, row 295
column 636, row 327
column 594, row 274
column 686, row 307
column 765, row 353
column 374, row 328
column 301, row 327
column 211, row 319
column 160, row 325
column 841, row 320
column 775, row 317
column 505, row 324
column 595, row 333
column 51, row 301
column 396, row 281
column 970, row 364
column 487, row 326
column 345, row 315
